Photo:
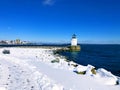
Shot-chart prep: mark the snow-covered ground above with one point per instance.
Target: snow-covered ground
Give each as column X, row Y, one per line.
column 40, row 69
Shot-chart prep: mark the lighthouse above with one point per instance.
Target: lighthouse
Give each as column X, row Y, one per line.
column 74, row 40
column 74, row 46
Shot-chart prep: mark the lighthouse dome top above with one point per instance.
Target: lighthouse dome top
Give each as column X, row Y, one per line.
column 73, row 36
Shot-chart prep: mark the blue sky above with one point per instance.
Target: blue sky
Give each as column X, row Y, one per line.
column 93, row 21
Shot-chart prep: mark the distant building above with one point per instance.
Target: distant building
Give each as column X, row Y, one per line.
column 3, row 42
column 7, row 41
column 18, row 41
column 12, row 42
column 24, row 42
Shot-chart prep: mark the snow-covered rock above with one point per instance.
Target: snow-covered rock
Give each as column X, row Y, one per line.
column 107, row 77
column 80, row 68
column 71, row 63
column 89, row 70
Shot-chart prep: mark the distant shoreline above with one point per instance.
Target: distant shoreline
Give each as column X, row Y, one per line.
column 47, row 46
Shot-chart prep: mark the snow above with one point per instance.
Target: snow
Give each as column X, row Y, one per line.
column 107, row 77
column 80, row 68
column 32, row 69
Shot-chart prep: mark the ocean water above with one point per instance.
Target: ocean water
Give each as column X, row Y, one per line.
column 100, row 56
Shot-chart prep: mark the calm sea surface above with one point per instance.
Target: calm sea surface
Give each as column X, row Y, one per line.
column 100, row 56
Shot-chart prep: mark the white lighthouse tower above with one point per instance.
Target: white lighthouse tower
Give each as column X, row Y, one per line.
column 74, row 40
column 74, row 46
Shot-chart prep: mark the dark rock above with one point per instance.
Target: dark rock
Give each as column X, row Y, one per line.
column 6, row 52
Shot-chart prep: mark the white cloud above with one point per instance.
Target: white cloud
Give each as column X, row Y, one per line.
column 48, row 2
